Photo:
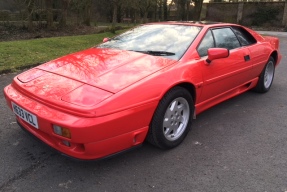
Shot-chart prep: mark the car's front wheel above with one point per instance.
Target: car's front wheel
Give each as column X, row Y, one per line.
column 172, row 119
column 266, row 77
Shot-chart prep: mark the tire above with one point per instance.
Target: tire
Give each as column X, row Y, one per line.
column 266, row 77
column 172, row 119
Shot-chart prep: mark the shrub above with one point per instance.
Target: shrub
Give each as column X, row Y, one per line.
column 264, row 14
column 5, row 15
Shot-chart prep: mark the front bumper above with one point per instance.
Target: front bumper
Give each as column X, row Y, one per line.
column 92, row 138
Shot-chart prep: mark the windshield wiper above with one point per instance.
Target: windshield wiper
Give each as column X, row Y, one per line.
column 157, row 53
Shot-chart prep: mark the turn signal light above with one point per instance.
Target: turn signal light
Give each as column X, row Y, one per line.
column 64, row 132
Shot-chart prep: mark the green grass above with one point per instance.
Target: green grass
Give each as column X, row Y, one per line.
column 16, row 55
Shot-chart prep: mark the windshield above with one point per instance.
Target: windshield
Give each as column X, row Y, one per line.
column 170, row 41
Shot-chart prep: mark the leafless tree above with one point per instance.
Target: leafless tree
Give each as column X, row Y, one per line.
column 87, row 12
column 30, row 5
column 49, row 13
column 64, row 12
column 145, row 6
column 197, row 9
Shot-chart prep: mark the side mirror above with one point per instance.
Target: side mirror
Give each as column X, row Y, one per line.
column 106, row 39
column 216, row 53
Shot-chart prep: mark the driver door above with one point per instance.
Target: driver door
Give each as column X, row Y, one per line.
column 223, row 75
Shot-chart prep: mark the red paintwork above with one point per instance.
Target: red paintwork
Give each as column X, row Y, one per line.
column 107, row 97
column 217, row 53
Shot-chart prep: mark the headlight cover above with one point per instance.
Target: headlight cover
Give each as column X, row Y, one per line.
column 86, row 96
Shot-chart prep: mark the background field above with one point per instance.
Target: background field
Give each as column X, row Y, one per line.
column 16, row 55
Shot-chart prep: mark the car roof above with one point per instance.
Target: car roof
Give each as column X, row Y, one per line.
column 194, row 23
column 198, row 22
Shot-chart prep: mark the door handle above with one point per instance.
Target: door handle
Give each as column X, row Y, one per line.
column 246, row 57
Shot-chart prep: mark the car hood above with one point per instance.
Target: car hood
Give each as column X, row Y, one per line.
column 108, row 69
column 98, row 72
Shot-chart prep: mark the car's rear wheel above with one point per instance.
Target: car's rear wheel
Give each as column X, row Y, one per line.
column 172, row 119
column 266, row 77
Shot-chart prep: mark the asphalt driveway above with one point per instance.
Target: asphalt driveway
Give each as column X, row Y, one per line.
column 239, row 145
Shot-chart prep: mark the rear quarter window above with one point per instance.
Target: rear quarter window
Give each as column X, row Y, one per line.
column 244, row 37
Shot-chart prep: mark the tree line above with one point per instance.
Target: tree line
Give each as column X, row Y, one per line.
column 60, row 13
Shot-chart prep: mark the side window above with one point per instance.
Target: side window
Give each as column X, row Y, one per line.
column 206, row 43
column 225, row 38
column 244, row 36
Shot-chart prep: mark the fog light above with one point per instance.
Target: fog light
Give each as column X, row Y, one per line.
column 62, row 131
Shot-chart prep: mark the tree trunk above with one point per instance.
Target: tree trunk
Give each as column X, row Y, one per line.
column 169, row 7
column 160, row 18
column 87, row 12
column 182, row 10
column 145, row 9
column 178, row 9
column 197, row 9
column 155, row 13
column 64, row 13
column 49, row 13
column 115, row 12
column 145, row 17
column 30, row 8
column 165, row 10
column 188, row 10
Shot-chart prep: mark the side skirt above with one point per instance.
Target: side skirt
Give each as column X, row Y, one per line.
column 200, row 107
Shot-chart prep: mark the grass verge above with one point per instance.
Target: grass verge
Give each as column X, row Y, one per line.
column 15, row 55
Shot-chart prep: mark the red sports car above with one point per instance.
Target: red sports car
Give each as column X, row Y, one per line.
column 145, row 84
